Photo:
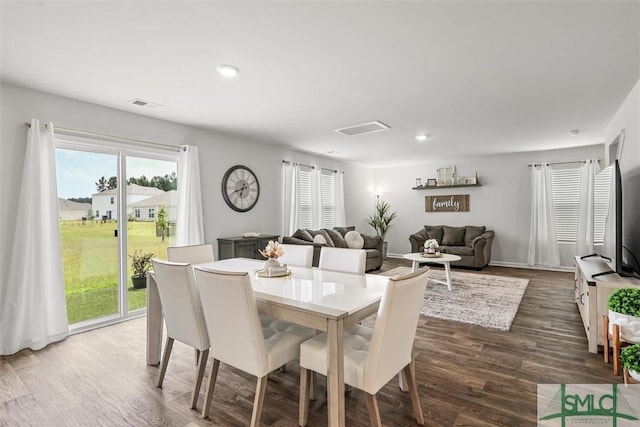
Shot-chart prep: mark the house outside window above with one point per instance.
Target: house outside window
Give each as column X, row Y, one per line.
column 152, row 213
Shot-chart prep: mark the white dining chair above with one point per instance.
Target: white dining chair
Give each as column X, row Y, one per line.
column 193, row 254
column 228, row 299
column 183, row 316
column 342, row 259
column 372, row 357
column 297, row 255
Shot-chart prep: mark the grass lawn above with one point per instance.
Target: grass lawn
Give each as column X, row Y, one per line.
column 90, row 262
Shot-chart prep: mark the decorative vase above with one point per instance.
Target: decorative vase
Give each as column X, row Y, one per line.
column 635, row 375
column 271, row 262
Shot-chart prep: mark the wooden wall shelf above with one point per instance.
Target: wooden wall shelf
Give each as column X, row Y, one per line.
column 436, row 187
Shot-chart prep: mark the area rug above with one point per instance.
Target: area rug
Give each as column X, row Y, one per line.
column 476, row 299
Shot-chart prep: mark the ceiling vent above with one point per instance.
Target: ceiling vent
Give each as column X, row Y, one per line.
column 141, row 103
column 362, row 128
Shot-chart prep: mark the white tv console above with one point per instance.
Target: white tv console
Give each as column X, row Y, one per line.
column 591, row 295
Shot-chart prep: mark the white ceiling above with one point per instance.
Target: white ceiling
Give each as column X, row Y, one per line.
column 479, row 77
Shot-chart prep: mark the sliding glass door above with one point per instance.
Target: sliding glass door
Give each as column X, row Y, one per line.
column 103, row 225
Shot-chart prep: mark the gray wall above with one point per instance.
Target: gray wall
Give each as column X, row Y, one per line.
column 217, row 153
column 502, row 202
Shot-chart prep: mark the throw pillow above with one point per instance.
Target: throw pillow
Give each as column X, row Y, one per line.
column 327, row 237
column 473, row 232
column 354, row 240
column 337, row 239
column 345, row 230
column 303, row 234
column 434, row 232
column 453, row 236
column 320, row 239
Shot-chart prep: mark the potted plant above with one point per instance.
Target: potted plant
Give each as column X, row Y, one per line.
column 624, row 310
column 630, row 357
column 140, row 264
column 381, row 222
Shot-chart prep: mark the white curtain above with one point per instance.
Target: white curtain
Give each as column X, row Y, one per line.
column 291, row 207
column 189, row 219
column 543, row 243
column 341, row 216
column 33, row 308
column 316, row 198
column 584, row 240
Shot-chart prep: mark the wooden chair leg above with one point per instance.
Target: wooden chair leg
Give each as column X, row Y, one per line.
column 202, row 363
column 605, row 337
column 410, row 376
column 616, row 349
column 165, row 360
column 212, row 384
column 313, row 381
column 261, row 388
column 303, row 405
column 374, row 411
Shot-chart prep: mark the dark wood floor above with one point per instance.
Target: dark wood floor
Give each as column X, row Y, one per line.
column 467, row 376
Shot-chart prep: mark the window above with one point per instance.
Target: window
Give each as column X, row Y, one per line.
column 328, row 191
column 565, row 185
column 304, row 197
column 136, row 213
column 112, row 199
column 98, row 213
column 152, row 213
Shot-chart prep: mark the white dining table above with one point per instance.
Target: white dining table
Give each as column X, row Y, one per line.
column 325, row 300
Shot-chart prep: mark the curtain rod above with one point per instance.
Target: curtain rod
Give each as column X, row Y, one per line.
column 287, row 162
column 562, row 163
column 102, row 135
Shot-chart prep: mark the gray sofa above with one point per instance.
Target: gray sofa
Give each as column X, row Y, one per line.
column 335, row 238
column 471, row 243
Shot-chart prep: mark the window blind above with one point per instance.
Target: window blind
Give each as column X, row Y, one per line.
column 304, row 197
column 328, row 191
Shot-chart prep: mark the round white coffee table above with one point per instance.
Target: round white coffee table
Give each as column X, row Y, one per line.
column 444, row 259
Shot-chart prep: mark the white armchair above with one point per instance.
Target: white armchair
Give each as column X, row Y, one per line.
column 228, row 299
column 372, row 357
column 193, row 254
column 297, row 255
column 341, row 259
column 183, row 316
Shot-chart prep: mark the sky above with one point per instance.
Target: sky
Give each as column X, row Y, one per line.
column 78, row 171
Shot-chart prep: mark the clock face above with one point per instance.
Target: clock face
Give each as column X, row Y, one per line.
column 240, row 188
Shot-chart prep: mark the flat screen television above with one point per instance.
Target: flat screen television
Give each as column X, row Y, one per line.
column 622, row 228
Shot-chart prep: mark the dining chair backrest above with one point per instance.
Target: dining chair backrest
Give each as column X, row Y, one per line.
column 395, row 329
column 342, row 259
column 231, row 314
column 181, row 303
column 297, row 255
column 193, row 254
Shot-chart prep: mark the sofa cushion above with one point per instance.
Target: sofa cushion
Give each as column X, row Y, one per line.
column 434, row 232
column 336, row 238
column 345, row 230
column 320, row 239
column 453, row 236
column 354, row 240
column 458, row 250
column 372, row 253
column 303, row 234
column 473, row 232
column 327, row 237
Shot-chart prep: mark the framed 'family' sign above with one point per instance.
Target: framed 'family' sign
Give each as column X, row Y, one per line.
column 447, row 203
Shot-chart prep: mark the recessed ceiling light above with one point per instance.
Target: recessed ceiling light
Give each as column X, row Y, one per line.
column 421, row 137
column 226, row 70
column 574, row 132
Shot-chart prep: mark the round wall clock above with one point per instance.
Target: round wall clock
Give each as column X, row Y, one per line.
column 240, row 188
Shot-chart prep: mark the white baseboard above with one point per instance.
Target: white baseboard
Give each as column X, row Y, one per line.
column 509, row 264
